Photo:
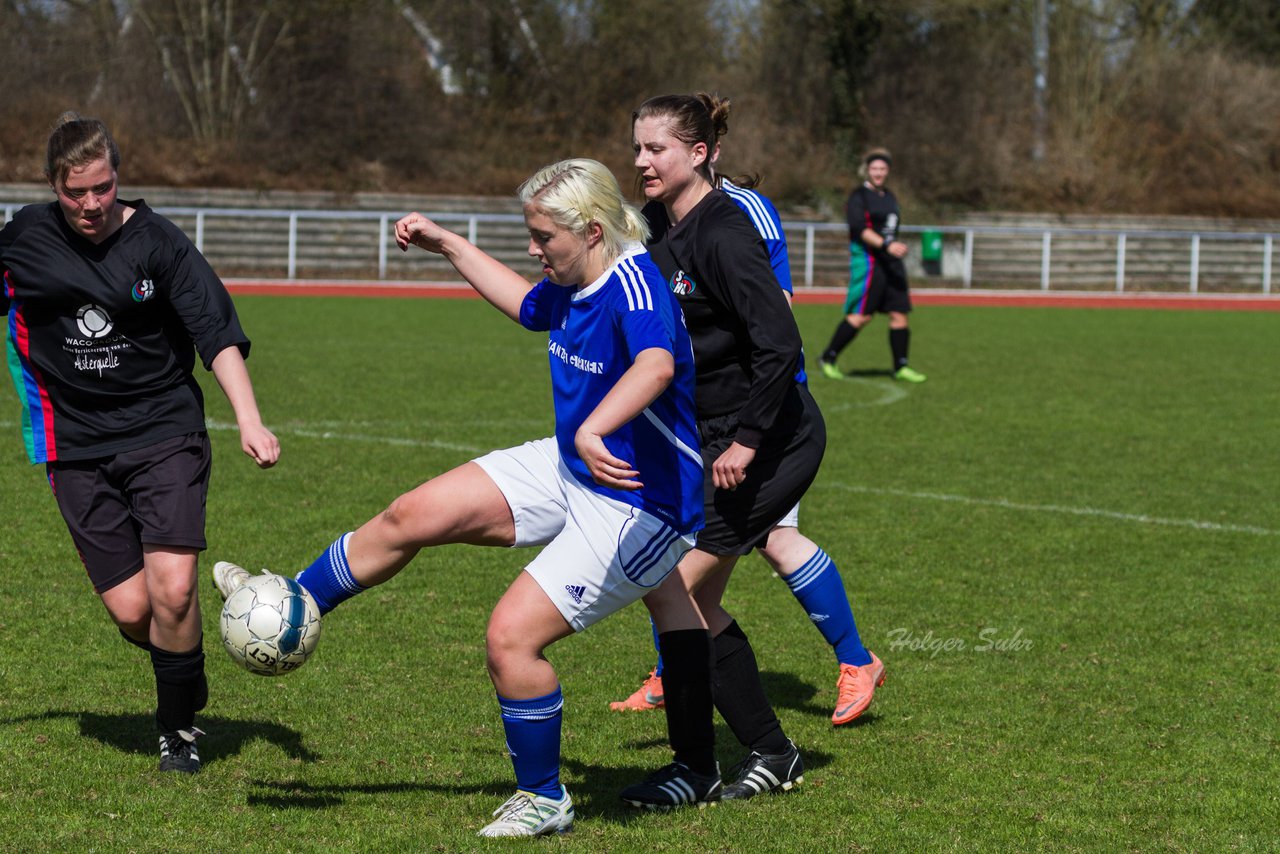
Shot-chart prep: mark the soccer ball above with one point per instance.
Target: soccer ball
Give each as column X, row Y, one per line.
column 270, row 625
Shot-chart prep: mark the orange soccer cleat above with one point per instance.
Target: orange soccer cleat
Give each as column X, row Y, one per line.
column 855, row 688
column 647, row 696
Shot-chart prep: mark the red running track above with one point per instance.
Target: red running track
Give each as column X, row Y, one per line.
column 1029, row 299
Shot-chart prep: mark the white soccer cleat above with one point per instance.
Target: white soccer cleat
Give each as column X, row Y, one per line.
column 228, row 577
column 527, row 814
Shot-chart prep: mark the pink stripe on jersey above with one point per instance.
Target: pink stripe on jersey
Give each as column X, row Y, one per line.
column 36, row 389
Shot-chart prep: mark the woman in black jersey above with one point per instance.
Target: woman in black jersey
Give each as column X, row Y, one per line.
column 762, row 435
column 877, row 276
column 108, row 305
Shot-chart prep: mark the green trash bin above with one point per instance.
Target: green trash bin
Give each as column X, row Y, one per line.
column 931, row 252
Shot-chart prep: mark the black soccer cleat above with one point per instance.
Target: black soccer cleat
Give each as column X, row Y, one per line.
column 764, row 772
column 674, row 786
column 178, row 751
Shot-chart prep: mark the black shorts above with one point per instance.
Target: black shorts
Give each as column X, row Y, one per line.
column 785, row 465
column 113, row 505
column 877, row 284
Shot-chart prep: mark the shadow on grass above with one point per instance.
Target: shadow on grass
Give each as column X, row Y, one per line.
column 597, row 793
column 869, row 372
column 299, row 794
column 136, row 733
column 788, row 692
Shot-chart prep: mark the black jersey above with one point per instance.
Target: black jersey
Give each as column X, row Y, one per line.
column 101, row 338
column 745, row 342
column 867, row 208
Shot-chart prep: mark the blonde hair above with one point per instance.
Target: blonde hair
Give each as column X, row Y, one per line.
column 578, row 192
column 76, row 141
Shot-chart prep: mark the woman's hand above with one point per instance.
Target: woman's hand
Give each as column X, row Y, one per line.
column 730, row 468
column 416, row 229
column 606, row 469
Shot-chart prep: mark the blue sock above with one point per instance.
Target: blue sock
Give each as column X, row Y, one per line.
column 819, row 589
column 658, row 668
column 329, row 578
column 533, row 740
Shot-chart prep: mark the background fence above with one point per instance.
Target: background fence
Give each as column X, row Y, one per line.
column 998, row 253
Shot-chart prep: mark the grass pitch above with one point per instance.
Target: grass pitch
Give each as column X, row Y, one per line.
column 1064, row 546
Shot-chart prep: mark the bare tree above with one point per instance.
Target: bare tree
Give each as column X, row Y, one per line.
column 213, row 55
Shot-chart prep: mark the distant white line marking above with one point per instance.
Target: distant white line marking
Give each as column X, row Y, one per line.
column 1055, row 508
column 307, row 433
column 890, row 392
column 1196, row 524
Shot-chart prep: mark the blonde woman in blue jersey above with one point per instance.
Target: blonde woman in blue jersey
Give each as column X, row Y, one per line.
column 615, row 496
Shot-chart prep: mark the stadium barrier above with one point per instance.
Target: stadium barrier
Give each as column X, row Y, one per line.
column 358, row 244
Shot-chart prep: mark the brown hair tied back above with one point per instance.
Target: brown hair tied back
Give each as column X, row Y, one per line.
column 77, row 141
column 700, row 117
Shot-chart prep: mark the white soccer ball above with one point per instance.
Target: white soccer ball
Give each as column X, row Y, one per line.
column 270, row 625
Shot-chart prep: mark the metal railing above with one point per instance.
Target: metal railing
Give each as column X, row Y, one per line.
column 1249, row 265
column 1265, row 241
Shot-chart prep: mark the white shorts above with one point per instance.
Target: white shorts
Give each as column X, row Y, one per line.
column 600, row 554
column 791, row 520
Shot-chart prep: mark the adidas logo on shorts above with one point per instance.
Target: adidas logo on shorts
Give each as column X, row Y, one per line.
column 576, row 591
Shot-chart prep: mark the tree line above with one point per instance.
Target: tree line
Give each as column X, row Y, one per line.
column 1150, row 106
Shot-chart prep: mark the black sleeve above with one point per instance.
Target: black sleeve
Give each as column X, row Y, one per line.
column 197, row 296
column 8, row 235
column 856, row 212
column 745, row 283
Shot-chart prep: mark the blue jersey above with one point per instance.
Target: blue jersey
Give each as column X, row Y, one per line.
column 596, row 333
column 764, row 216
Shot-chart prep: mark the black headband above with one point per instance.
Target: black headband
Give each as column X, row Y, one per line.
column 874, row 157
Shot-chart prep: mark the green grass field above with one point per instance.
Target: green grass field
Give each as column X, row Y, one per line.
column 1065, row 546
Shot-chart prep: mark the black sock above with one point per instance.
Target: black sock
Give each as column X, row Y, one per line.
column 841, row 338
column 686, row 689
column 139, row 644
column 899, row 343
column 181, row 687
column 739, row 694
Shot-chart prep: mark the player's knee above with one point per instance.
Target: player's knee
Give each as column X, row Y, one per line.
column 506, row 649
column 398, row 518
column 133, row 618
column 172, row 601
column 772, row 552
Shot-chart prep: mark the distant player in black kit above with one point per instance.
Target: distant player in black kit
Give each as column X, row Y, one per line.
column 877, row 277
column 108, row 304
column 762, row 436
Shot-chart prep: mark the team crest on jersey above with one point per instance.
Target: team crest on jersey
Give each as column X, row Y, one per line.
column 143, row 290
column 681, row 285
column 94, row 322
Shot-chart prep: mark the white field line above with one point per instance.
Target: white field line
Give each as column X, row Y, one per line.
column 308, row 433
column 1057, row 508
column 890, row 392
column 1001, row 503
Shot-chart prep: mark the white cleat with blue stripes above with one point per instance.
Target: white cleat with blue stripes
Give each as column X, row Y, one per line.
column 528, row 814
column 227, row 577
